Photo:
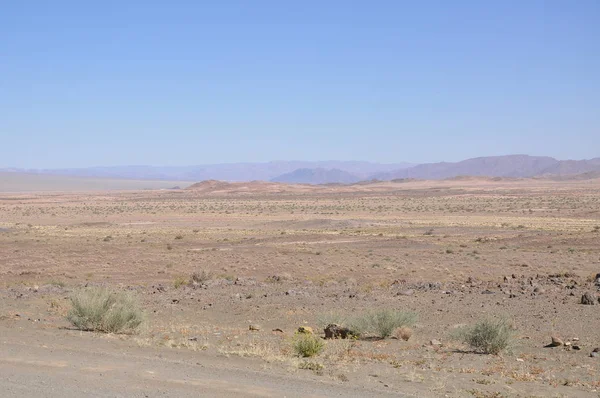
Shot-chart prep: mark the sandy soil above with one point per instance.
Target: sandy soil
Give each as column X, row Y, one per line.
column 454, row 252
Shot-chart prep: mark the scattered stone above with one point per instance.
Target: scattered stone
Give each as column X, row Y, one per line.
column 487, row 292
column 556, row 342
column 193, row 339
column 305, row 330
column 408, row 292
column 333, row 331
column 254, row 328
column 435, row 343
column 588, row 299
column 595, row 353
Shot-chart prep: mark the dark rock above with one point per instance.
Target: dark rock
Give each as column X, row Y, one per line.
column 588, row 299
column 333, row 331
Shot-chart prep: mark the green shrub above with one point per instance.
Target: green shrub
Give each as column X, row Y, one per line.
column 381, row 323
column 103, row 310
column 333, row 317
column 308, row 345
column 385, row 321
column 489, row 336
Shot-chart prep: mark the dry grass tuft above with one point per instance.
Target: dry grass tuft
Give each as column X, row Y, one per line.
column 102, row 310
column 403, row 333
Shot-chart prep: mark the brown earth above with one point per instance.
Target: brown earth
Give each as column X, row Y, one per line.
column 281, row 257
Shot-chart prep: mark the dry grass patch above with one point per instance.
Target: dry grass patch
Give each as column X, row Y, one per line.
column 307, row 345
column 489, row 336
column 102, row 310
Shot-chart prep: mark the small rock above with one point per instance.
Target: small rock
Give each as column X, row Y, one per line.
column 305, row 330
column 435, row 342
column 254, row 328
column 333, row 331
column 556, row 342
column 408, row 292
column 588, row 299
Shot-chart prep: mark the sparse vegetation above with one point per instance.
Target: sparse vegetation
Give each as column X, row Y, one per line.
column 383, row 322
column 102, row 310
column 307, row 345
column 200, row 277
column 489, row 336
column 403, row 333
column 179, row 282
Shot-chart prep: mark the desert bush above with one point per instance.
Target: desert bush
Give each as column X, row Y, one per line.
column 102, row 310
column 403, row 333
column 381, row 323
column 385, row 321
column 489, row 336
column 333, row 317
column 179, row 282
column 308, row 345
column 200, row 278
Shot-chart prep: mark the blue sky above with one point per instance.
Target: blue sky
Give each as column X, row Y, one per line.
column 192, row 82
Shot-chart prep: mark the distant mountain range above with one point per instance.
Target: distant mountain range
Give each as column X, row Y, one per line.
column 344, row 172
column 317, row 176
column 516, row 166
column 224, row 172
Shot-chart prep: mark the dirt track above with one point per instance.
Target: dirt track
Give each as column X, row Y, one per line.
column 37, row 363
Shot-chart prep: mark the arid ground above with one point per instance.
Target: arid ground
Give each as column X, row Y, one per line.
column 274, row 258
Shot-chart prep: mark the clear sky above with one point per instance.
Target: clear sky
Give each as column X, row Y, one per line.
column 88, row 83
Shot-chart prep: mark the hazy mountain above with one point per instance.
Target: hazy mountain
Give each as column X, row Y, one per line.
column 224, row 172
column 338, row 171
column 317, row 176
column 567, row 167
column 495, row 166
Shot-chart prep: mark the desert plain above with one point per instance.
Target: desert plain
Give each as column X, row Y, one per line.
column 226, row 273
